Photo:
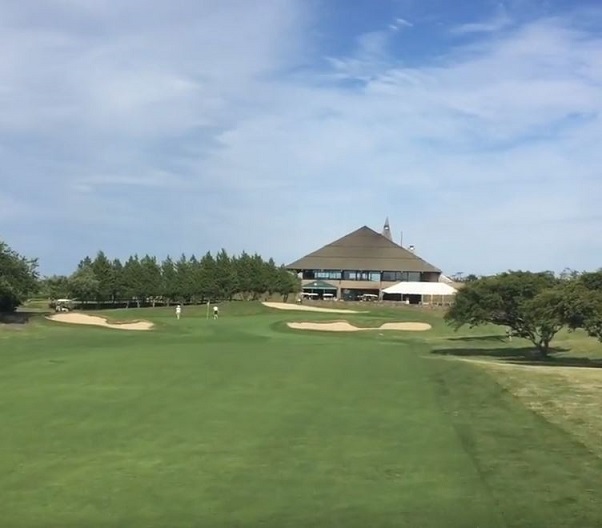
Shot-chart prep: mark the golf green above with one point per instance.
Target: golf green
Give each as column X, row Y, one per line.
column 242, row 422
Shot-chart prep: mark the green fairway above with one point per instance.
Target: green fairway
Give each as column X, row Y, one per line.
column 242, row 422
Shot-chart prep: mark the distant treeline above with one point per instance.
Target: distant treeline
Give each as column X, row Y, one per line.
column 148, row 281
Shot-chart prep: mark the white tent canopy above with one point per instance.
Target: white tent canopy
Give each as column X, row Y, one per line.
column 421, row 288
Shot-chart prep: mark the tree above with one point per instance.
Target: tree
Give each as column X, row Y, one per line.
column 195, row 279
column 103, row 271
column 287, row 283
column 84, row 263
column 131, row 280
column 226, row 277
column 460, row 277
column 150, row 279
column 84, row 285
column 208, row 277
column 581, row 303
column 183, row 279
column 591, row 299
column 270, row 272
column 568, row 274
column 191, row 283
column 527, row 303
column 260, row 277
column 54, row 287
column 592, row 322
column 117, row 286
column 18, row 278
column 591, row 280
column 168, row 280
column 244, row 275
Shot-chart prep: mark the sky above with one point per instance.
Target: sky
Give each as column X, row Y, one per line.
column 180, row 127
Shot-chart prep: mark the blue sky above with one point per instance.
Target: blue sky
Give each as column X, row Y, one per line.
column 170, row 127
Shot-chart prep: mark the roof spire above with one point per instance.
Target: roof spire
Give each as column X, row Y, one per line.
column 387, row 230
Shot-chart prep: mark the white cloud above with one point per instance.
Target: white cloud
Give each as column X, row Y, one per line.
column 403, row 22
column 498, row 22
column 213, row 116
column 488, row 144
column 400, row 23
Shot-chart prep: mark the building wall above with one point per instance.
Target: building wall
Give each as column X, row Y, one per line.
column 333, row 276
column 368, row 285
column 355, row 285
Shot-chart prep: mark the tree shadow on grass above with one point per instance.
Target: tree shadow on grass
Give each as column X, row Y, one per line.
column 16, row 318
column 522, row 356
column 488, row 338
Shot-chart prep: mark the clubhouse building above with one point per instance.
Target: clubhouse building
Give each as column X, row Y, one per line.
column 362, row 265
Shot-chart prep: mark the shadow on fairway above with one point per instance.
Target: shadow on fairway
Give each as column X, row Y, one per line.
column 522, row 356
column 19, row 318
column 488, row 338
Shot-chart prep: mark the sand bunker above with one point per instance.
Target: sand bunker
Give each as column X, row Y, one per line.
column 303, row 308
column 94, row 320
column 344, row 326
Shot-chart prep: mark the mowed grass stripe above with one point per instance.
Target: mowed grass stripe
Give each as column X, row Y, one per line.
column 222, row 433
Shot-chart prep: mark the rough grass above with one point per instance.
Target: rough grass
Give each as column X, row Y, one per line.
column 566, row 389
column 241, row 422
column 566, row 396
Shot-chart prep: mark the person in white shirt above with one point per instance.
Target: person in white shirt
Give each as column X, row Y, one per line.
column 178, row 311
column 215, row 312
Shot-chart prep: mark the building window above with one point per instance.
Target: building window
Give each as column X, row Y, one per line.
column 371, row 276
column 402, row 276
column 327, row 275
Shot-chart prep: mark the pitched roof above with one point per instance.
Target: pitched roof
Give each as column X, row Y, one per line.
column 363, row 250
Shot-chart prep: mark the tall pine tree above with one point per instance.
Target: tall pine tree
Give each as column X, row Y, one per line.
column 150, row 279
column 169, row 287
column 132, row 275
column 226, row 276
column 103, row 272
column 208, row 277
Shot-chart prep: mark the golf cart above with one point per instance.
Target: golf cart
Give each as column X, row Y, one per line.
column 62, row 305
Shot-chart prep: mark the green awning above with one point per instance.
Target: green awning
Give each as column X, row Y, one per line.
column 319, row 285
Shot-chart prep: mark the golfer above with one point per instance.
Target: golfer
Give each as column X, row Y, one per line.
column 215, row 312
column 178, row 311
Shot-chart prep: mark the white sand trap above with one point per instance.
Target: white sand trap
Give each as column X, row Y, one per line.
column 302, row 308
column 412, row 327
column 341, row 326
column 94, row 320
column 344, row 326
